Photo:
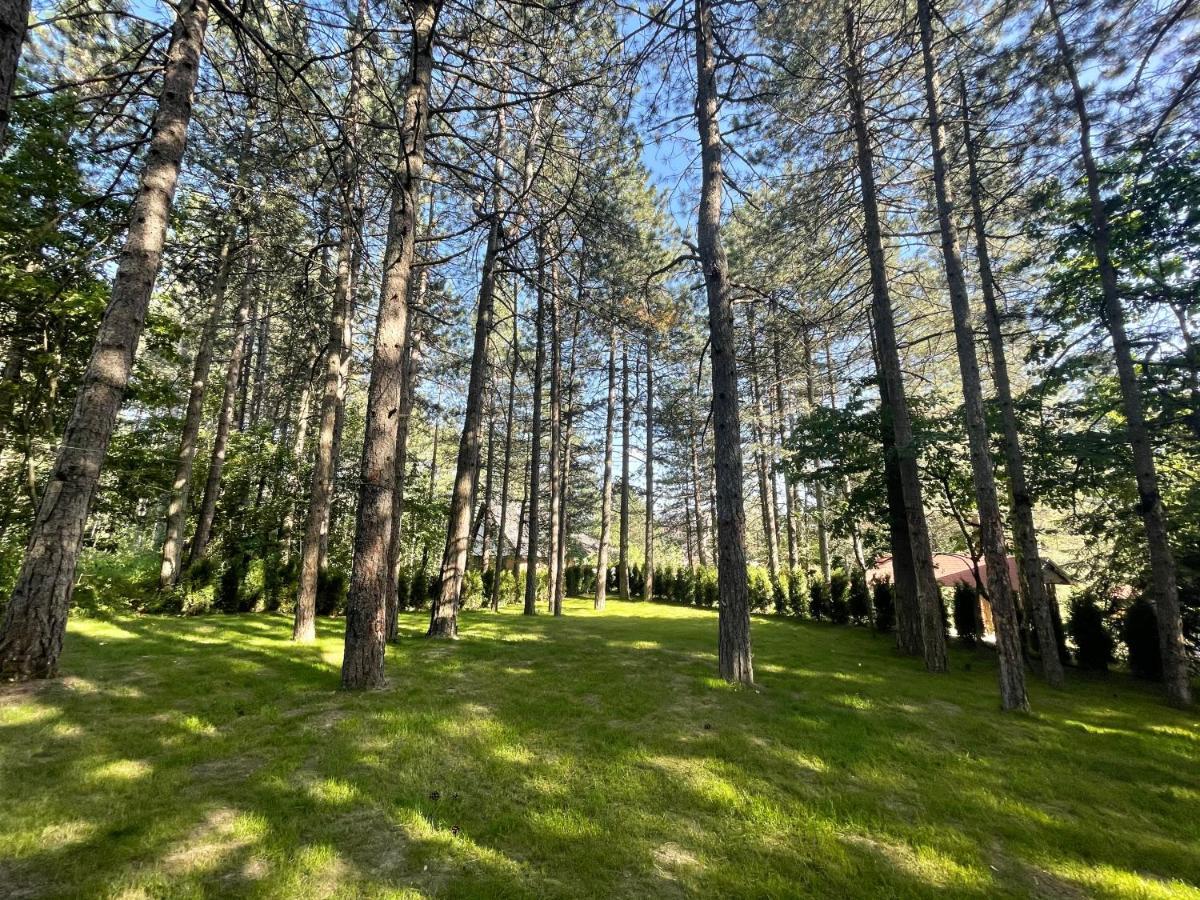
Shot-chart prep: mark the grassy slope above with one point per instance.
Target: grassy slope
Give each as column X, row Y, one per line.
column 590, row 756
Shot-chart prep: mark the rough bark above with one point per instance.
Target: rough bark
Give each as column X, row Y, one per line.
column 1164, row 583
column 701, row 538
column 35, row 620
column 623, row 524
column 904, row 584
column 929, row 601
column 555, row 462
column 766, row 494
column 779, row 416
column 560, row 591
column 818, row 488
column 226, row 414
column 366, row 626
column 443, row 616
column 733, row 642
column 1029, row 561
column 508, row 443
column 610, row 414
column 648, row 584
column 181, row 486
column 991, row 525
column 14, row 19
column 534, row 482
column 316, row 521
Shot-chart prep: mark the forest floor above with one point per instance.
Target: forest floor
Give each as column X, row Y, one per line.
column 594, row 755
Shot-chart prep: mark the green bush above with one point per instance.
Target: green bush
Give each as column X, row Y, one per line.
column 332, row 587
column 279, row 580
column 966, row 614
column 859, row 599
column 779, row 597
column 760, row 588
column 684, row 585
column 818, row 599
column 510, row 588
column 472, row 589
column 1139, row 634
column 664, row 583
column 230, row 598
column 637, row 582
column 418, row 591
column 884, row 599
column 797, row 585
column 403, row 589
column 1086, row 626
column 839, row 602
column 708, row 592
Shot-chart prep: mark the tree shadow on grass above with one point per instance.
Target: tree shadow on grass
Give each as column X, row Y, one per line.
column 594, row 755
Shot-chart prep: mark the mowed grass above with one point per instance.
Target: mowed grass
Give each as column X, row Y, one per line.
column 594, row 755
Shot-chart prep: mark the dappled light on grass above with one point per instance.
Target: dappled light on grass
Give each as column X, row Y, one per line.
column 592, row 755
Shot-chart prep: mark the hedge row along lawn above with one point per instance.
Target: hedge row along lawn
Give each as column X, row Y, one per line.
column 590, row 756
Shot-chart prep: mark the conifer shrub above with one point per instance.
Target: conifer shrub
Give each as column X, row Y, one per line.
column 637, row 582
column 883, row 597
column 709, row 592
column 798, row 592
column 403, row 589
column 1086, row 627
column 1139, row 634
column 859, row 598
column 839, row 600
column 779, row 597
column 418, row 593
column 472, row 589
column 759, row 583
column 818, row 599
column 684, row 585
column 966, row 614
column 332, row 587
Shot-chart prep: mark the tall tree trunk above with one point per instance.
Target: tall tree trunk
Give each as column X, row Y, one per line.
column 35, row 620
column 623, row 524
column 610, row 414
column 502, row 528
column 780, row 420
column 929, row 599
column 225, row 417
column 412, row 369
column 14, row 19
column 765, row 476
column 1154, row 517
column 733, row 642
column 299, row 441
column 554, row 473
column 904, row 584
column 260, row 365
column 1029, row 561
column 818, row 488
column 534, row 482
column 443, row 617
column 701, row 539
column 563, row 490
column 316, row 520
column 648, row 583
column 991, row 525
column 181, row 486
column 366, row 626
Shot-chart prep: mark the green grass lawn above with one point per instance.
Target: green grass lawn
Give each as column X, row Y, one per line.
column 590, row 756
